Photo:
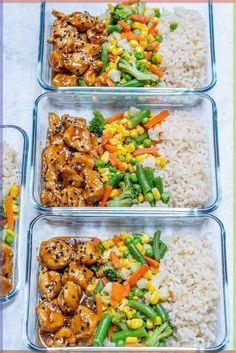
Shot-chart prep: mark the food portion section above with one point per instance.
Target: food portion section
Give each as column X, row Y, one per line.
column 133, row 290
column 130, row 45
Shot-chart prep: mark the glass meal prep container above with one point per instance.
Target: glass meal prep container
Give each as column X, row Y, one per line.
column 45, row 227
column 17, row 139
column 46, row 23
column 199, row 104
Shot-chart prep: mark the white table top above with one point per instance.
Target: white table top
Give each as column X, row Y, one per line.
column 21, row 26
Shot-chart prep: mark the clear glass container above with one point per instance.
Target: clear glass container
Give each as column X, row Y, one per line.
column 46, row 22
column 83, row 105
column 18, row 140
column 48, row 226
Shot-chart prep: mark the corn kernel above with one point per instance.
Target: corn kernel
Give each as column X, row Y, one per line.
column 136, row 323
column 133, row 43
column 117, row 51
column 124, row 301
column 122, row 236
column 119, row 146
column 140, row 248
column 130, row 168
column 145, row 239
column 110, row 7
column 106, row 244
column 150, row 37
column 144, row 31
column 111, row 311
column 105, row 178
column 14, row 191
column 111, row 242
column 126, row 55
column 123, row 81
column 154, row 299
column 148, row 275
column 134, row 134
column 163, row 162
column 144, row 44
column 129, row 314
column 125, row 309
column 105, row 157
column 158, row 161
column 11, row 233
column 110, row 48
column 156, row 194
column 135, row 297
column 112, row 40
column 140, row 129
column 140, row 158
column 137, row 25
column 122, row 248
column 125, row 263
column 126, row 133
column 139, row 49
column 124, row 151
column 112, row 66
column 131, row 340
column 157, row 320
column 90, row 288
column 125, row 165
column 131, row 147
column 143, row 61
column 159, row 58
column 120, row 129
column 121, row 243
column 141, row 198
column 114, row 193
column 154, row 270
column 128, row 157
column 152, row 115
column 150, row 287
column 106, row 302
column 149, row 324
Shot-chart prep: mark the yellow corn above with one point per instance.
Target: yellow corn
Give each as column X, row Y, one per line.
column 125, row 165
column 14, row 191
column 145, row 239
column 125, row 309
column 149, row 324
column 157, row 320
column 137, row 25
column 112, row 41
column 141, row 248
column 114, row 193
column 159, row 58
column 150, row 287
column 111, row 242
column 119, row 146
column 144, row 44
column 123, row 235
column 154, row 299
column 128, row 157
column 111, row 311
column 150, row 38
column 124, row 301
column 125, row 263
column 106, row 244
column 105, row 178
column 141, row 198
column 154, row 270
column 123, row 81
column 122, row 248
column 133, row 43
column 117, row 51
column 112, row 66
column 143, row 61
column 121, row 243
column 106, row 302
column 156, row 194
column 124, row 151
column 136, row 323
column 136, row 298
column 139, row 49
column 131, row 147
column 140, row 129
column 140, row 158
column 90, row 288
column 134, row 133
column 111, row 47
column 144, row 31
column 126, row 55
column 105, row 157
column 131, row 340
column 130, row 168
column 163, row 161
column 129, row 314
column 148, row 275
column 110, row 7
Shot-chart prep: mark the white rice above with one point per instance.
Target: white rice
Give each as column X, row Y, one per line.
column 182, row 141
column 190, row 273
column 10, row 170
column 184, row 50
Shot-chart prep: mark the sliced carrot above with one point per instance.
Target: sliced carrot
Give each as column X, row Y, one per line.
column 108, row 80
column 9, row 211
column 107, row 192
column 100, row 149
column 148, row 55
column 116, row 163
column 98, row 300
column 129, row 3
column 126, row 289
column 120, row 165
column 115, row 117
column 138, row 274
column 128, row 35
column 138, row 18
column 104, row 281
column 112, row 57
column 157, row 119
column 106, row 137
column 153, row 45
column 112, row 328
column 116, row 239
column 96, row 241
column 124, row 25
column 152, row 26
column 115, row 260
column 152, row 262
column 154, row 32
column 155, row 70
column 150, row 150
column 116, row 292
column 110, row 148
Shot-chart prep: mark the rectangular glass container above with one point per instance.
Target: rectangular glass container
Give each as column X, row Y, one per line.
column 83, row 105
column 47, row 226
column 46, row 22
column 18, row 140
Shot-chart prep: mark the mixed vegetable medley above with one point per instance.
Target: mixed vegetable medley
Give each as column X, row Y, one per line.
column 9, row 213
column 119, row 48
column 111, row 162
column 103, row 292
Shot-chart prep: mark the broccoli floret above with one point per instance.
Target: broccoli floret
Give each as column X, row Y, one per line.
column 160, row 333
column 126, row 199
column 119, row 320
column 110, row 273
column 97, row 124
column 121, row 12
column 140, row 8
column 131, row 68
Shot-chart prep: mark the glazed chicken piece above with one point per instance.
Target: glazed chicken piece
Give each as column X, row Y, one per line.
column 54, row 254
column 97, row 34
column 69, row 121
column 87, row 254
column 49, row 315
column 71, row 178
column 64, row 337
column 79, row 274
column 72, row 197
column 56, row 60
column 91, row 74
column 94, row 152
column 49, row 283
column 80, row 20
column 6, row 255
column 5, row 285
column 50, row 198
column 91, row 49
column 93, row 186
column 84, row 324
column 77, row 63
column 51, row 181
column 54, row 157
column 64, row 38
column 69, row 297
column 54, row 123
column 78, row 138
column 63, row 80
column 81, row 160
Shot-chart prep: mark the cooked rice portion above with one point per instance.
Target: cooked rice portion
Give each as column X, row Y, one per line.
column 186, row 175
column 184, row 50
column 191, row 274
column 10, row 168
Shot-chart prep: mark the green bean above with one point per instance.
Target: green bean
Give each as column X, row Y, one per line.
column 136, row 254
column 158, row 184
column 114, row 28
column 137, row 119
column 141, row 138
column 122, row 335
column 163, row 250
column 155, row 246
column 165, row 198
column 143, row 182
column 150, row 176
column 99, row 287
column 143, row 308
column 104, row 58
column 133, row 83
column 115, row 179
column 161, row 311
column 126, row 180
column 101, row 331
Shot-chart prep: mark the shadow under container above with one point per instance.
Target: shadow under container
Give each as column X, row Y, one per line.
column 199, row 105
column 17, row 139
column 45, row 227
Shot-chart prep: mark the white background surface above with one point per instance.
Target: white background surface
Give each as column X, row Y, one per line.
column 21, row 25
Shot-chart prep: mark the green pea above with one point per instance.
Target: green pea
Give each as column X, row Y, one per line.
column 137, row 188
column 125, row 254
column 133, row 178
column 8, row 239
column 173, row 26
column 162, row 343
column 138, row 292
column 153, row 59
column 131, row 295
column 149, row 197
column 113, row 169
column 137, row 241
column 139, row 55
column 121, row 158
column 127, row 77
column 99, row 163
column 159, row 38
column 165, row 198
column 145, row 120
column 149, row 253
column 128, row 240
column 157, row 13
column 133, row 160
column 147, row 143
column 101, row 248
column 120, row 343
column 143, row 67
